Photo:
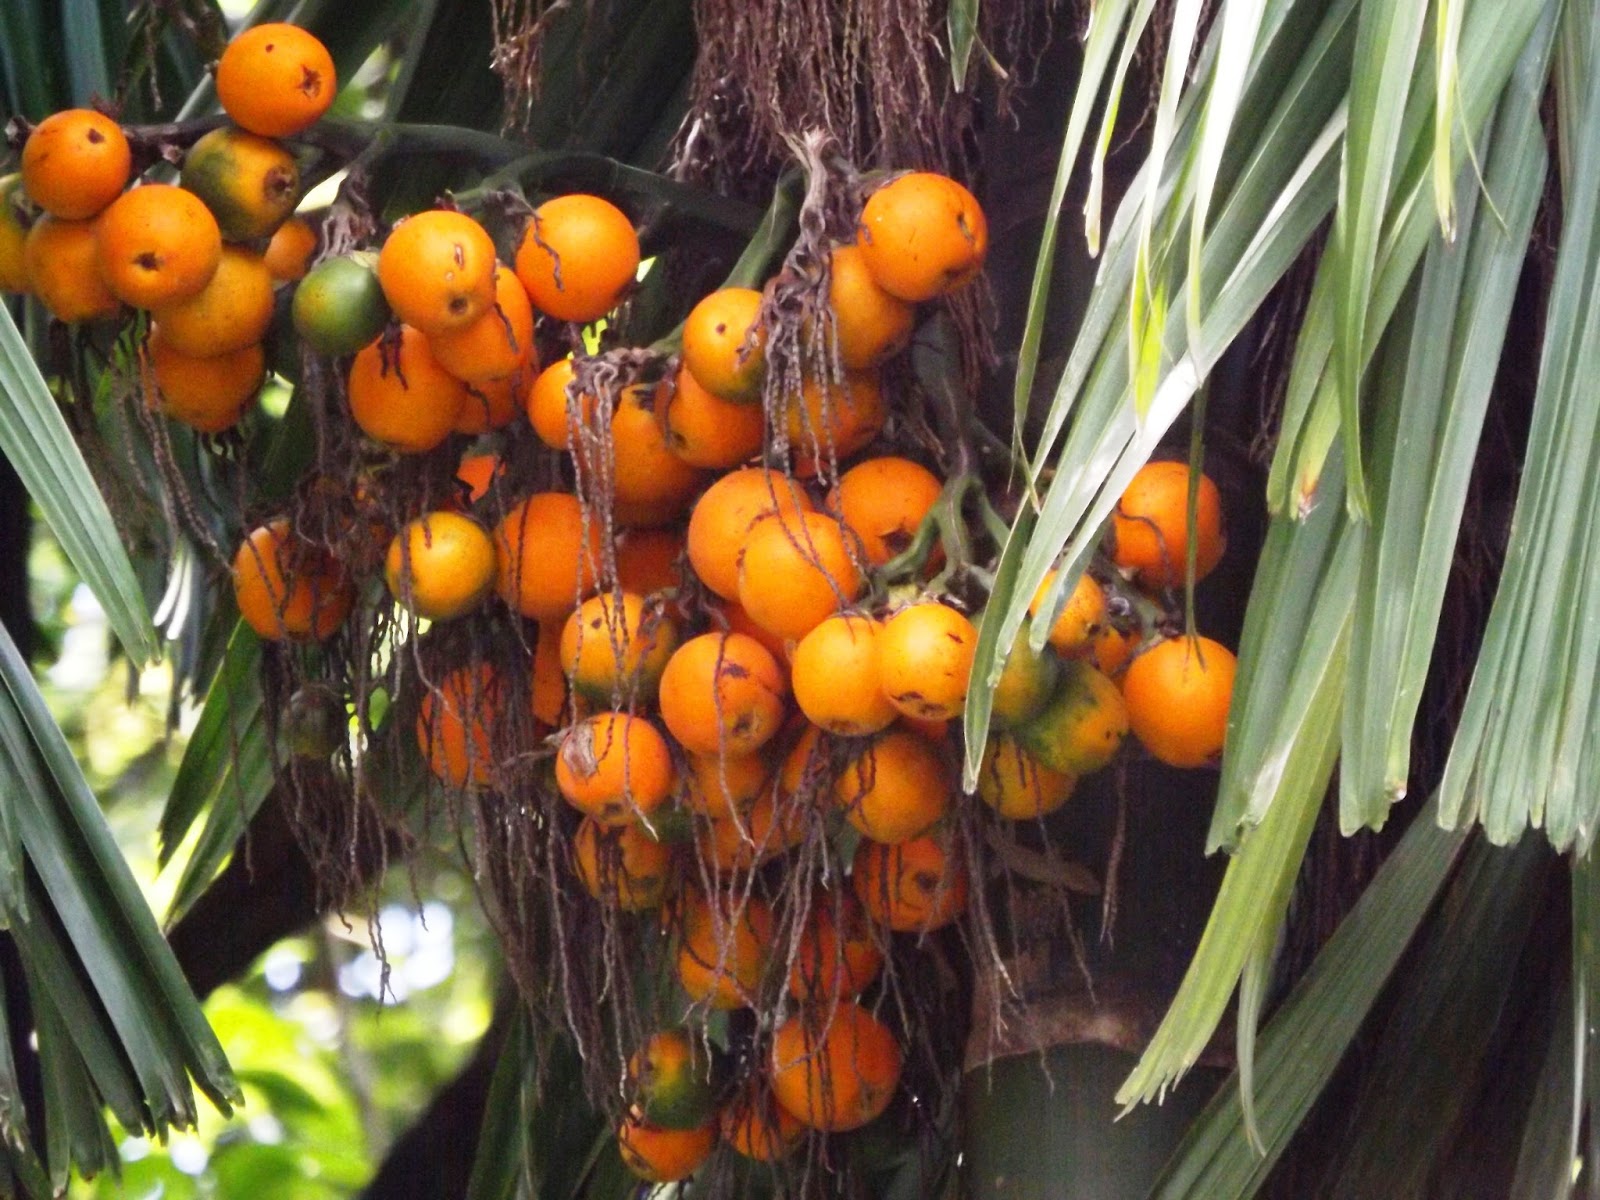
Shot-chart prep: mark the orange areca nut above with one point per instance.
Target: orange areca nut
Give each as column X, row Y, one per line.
column 74, row 163
column 1112, row 648
column 611, row 649
column 578, row 257
column 1082, row 724
column 615, row 768
column 1018, row 786
column 912, row 887
column 250, row 183
column 724, row 515
column 455, row 725
column 476, row 474
column 288, row 255
column 724, row 345
column 276, row 79
column 872, row 326
column 923, row 235
column 1026, row 682
column 400, row 396
column 490, row 404
column 884, row 502
column 808, row 765
column 837, row 677
column 1178, row 693
column 1081, row 618
column 156, row 244
column 743, row 843
column 896, row 789
column 722, row 693
column 499, row 343
column 926, row 652
column 758, row 1127
column 64, row 270
column 838, row 956
column 722, row 785
column 644, row 470
column 624, row 866
column 440, row 566
column 547, row 552
column 547, row 405
column 672, row 1080
column 207, row 394
column 722, row 948
column 1150, row 526
column 706, row 431
column 549, row 685
column 834, row 1068
column 794, row 571
column 233, row 309
column 289, row 588
column 650, row 560
column 828, row 423
column 437, row 271
column 15, row 217
column 659, row 1155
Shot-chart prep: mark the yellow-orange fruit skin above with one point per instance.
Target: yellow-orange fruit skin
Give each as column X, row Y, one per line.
column 884, row 501
column 724, row 515
column 1081, row 726
column 1018, row 786
column 913, row 887
column 796, row 571
column 1150, row 526
column 436, row 269
column 578, row 257
column 923, row 235
column 872, row 326
column 287, row 588
column 722, row 948
column 837, row 678
column 926, row 651
column 722, row 693
column 155, row 244
column 441, row 565
column 499, row 343
column 724, row 345
column 233, row 310
column 207, row 394
column 400, row 396
column 1178, row 693
column 615, row 768
column 624, row 866
column 834, row 1069
column 75, row 162
column 895, row 789
column 276, row 79
column 659, row 1155
column 456, row 725
column 64, row 270
column 546, row 555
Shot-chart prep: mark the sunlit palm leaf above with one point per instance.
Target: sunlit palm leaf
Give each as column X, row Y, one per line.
column 1513, row 765
column 1425, row 438
column 1387, row 39
column 129, row 1027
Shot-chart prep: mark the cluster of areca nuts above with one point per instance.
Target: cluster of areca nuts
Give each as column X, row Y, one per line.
column 715, row 684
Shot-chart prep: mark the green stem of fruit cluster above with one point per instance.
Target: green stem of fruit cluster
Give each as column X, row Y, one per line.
column 765, row 249
column 508, row 163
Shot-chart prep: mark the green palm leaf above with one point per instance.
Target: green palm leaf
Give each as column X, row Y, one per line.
column 35, row 438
